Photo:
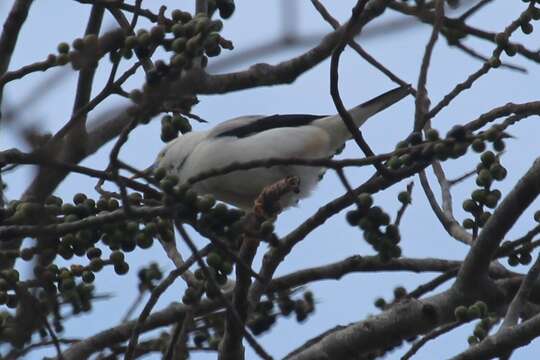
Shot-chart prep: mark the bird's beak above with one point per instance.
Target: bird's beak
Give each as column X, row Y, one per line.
column 146, row 172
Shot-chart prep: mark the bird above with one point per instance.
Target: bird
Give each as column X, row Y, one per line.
column 258, row 137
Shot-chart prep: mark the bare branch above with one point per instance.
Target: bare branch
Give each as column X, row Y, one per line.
column 474, row 9
column 405, row 205
column 359, row 8
column 422, row 99
column 504, row 341
column 486, row 67
column 458, row 25
column 10, row 33
column 447, row 220
column 335, row 270
column 54, row 338
column 401, row 321
column 177, row 346
column 476, row 55
column 431, row 336
column 434, row 283
column 141, row 322
column 516, row 306
column 76, row 138
column 335, row 24
column 223, row 298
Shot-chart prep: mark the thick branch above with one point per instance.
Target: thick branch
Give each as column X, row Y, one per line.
column 174, row 312
column 521, row 297
column 404, row 320
column 504, row 341
column 117, row 334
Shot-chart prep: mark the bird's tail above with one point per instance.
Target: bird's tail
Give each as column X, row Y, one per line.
column 337, row 129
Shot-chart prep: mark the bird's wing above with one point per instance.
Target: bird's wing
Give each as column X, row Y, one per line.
column 174, row 156
column 232, row 124
column 282, row 142
column 262, row 124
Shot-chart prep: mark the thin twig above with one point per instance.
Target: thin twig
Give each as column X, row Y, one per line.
column 10, row 32
column 476, row 55
column 356, row 47
column 144, row 212
column 356, row 134
column 452, row 227
column 231, row 344
column 473, row 10
column 152, row 17
column 348, row 187
column 445, row 188
column 422, row 99
column 177, row 343
column 54, row 338
column 136, row 302
column 276, row 255
column 90, row 105
column 26, row 70
column 136, row 14
column 486, row 67
column 175, row 256
column 17, row 157
column 154, row 297
column 114, row 166
column 404, row 206
column 223, row 246
column 432, row 335
column 77, row 136
column 525, row 240
column 18, row 353
column 461, row 178
column 434, row 283
column 456, row 25
column 232, row 310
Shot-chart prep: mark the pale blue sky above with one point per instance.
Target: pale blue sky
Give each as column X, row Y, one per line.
column 254, row 23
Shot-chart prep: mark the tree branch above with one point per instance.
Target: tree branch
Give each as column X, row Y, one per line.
column 516, row 306
column 449, row 223
column 10, row 33
column 422, row 99
column 522, row 195
column 503, row 341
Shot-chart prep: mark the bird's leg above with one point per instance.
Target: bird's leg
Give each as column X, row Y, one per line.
column 267, row 203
